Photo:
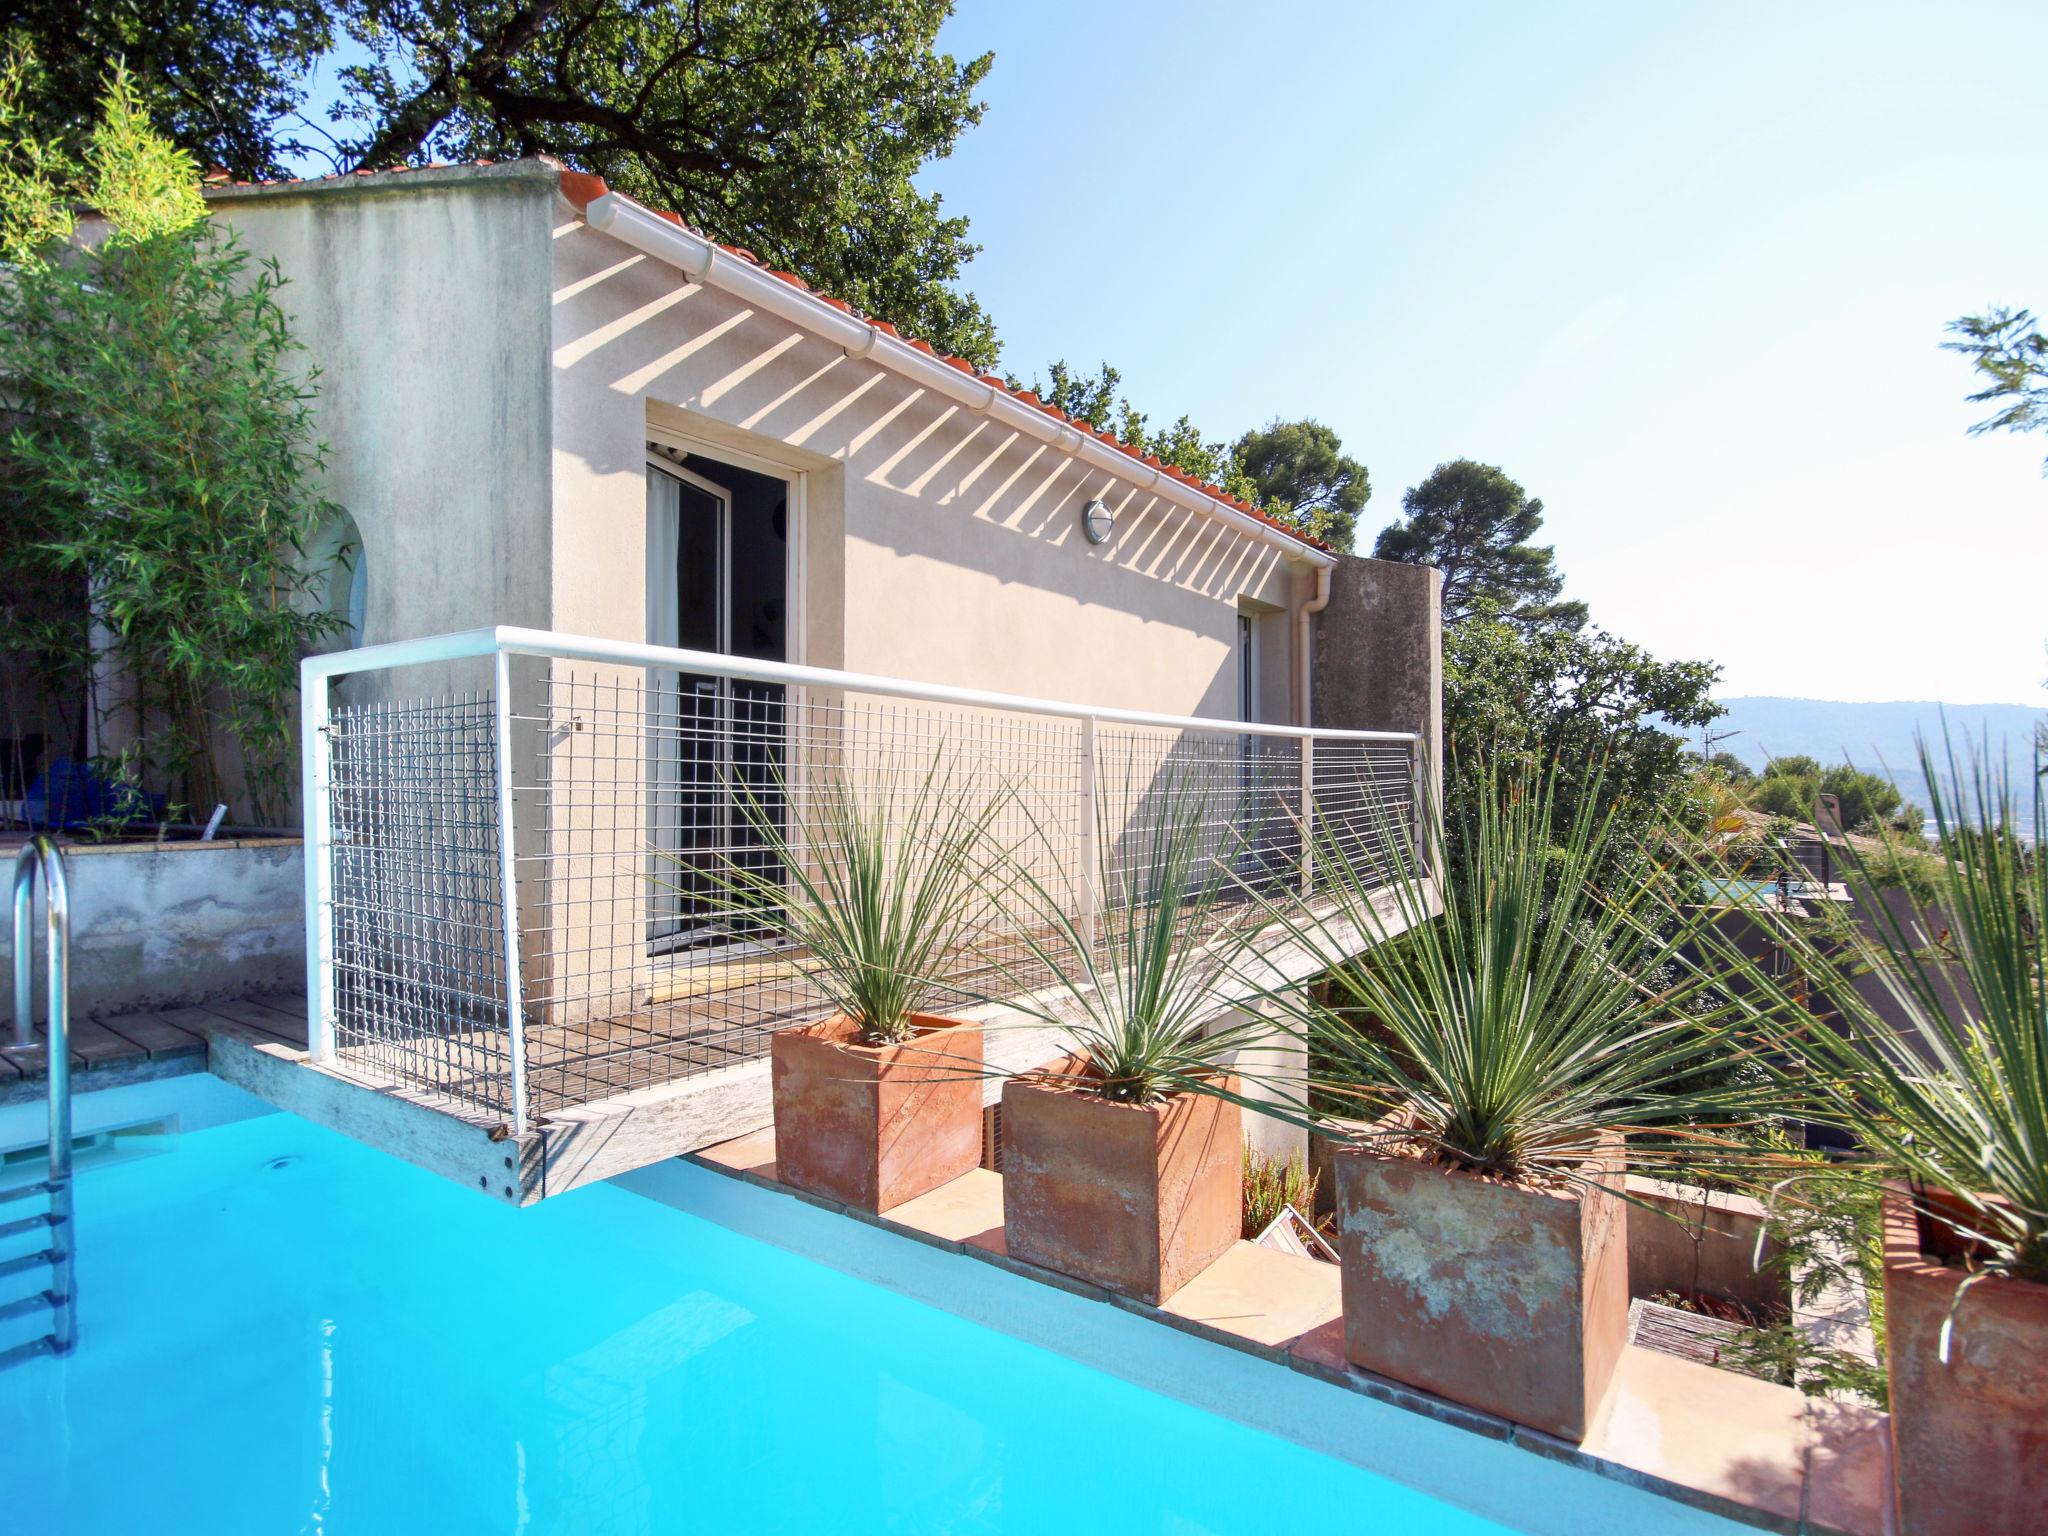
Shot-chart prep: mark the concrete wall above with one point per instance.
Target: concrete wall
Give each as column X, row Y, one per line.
column 1696, row 1239
column 422, row 299
column 1378, row 657
column 161, row 926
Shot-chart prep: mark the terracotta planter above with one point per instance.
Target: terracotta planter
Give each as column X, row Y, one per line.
column 1138, row 1199
column 1969, row 1438
column 876, row 1125
column 1504, row 1297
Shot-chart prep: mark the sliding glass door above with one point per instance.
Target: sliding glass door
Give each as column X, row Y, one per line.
column 713, row 742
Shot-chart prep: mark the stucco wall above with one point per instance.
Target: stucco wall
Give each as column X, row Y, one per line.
column 423, row 301
column 941, row 546
column 490, row 368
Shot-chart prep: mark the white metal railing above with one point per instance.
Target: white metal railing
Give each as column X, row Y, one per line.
column 506, row 884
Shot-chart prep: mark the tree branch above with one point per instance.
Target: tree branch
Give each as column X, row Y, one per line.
column 407, row 129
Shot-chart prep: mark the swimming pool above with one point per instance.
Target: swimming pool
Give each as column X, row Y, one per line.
column 285, row 1331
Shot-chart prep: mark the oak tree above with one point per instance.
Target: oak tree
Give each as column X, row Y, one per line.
column 792, row 128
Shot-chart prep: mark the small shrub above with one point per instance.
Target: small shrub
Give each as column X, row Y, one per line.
column 1783, row 1354
column 1271, row 1184
column 1893, row 865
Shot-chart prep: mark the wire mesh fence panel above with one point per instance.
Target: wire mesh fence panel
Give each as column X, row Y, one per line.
column 1238, row 796
column 418, row 945
column 655, row 796
column 665, row 822
column 1367, row 808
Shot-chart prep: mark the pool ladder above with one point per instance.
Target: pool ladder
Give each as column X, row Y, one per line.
column 52, row 1225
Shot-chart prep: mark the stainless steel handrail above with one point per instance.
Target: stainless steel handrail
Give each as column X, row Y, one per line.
column 40, row 855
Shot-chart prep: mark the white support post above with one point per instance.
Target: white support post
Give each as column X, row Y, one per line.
column 1308, row 814
column 1419, row 798
column 508, row 880
column 1088, row 842
column 316, row 809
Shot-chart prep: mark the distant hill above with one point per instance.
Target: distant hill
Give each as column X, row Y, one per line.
column 1879, row 738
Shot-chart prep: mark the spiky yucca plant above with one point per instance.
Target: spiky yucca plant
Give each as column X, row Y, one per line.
column 1139, row 991
column 880, row 886
column 1937, row 1061
column 1538, row 1015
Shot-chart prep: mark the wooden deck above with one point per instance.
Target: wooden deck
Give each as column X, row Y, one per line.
column 120, row 1048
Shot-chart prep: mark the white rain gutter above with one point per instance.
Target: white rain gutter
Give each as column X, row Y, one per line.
column 702, row 261
column 1304, row 640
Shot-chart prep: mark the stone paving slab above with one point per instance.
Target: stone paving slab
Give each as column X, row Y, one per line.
column 1750, row 1450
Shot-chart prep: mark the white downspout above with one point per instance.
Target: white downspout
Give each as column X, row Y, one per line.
column 1303, row 641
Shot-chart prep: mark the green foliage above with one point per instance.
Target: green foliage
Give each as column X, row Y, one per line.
column 1731, row 769
column 1098, row 401
column 791, row 129
column 1526, row 1023
column 1475, row 525
column 1782, row 1352
column 160, row 463
column 1947, row 1084
column 145, row 185
column 223, row 81
column 1791, row 787
column 1896, row 865
column 1597, row 710
column 1271, row 1184
column 1299, row 472
column 877, row 885
column 2008, row 351
column 1135, row 996
column 1294, row 471
column 1823, row 1231
column 36, row 173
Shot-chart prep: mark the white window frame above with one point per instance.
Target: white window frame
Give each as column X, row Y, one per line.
column 796, row 584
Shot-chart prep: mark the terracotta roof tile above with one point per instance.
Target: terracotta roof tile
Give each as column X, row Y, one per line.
column 580, row 189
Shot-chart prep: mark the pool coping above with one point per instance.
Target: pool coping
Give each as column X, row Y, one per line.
column 117, row 1048
column 1843, row 1449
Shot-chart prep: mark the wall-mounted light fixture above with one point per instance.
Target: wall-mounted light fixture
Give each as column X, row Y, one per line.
column 1097, row 521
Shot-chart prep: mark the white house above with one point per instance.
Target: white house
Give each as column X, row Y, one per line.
column 551, row 408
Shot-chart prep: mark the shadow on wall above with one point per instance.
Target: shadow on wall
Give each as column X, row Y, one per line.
column 644, row 332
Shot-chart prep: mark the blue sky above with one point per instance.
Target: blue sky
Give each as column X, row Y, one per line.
column 1682, row 271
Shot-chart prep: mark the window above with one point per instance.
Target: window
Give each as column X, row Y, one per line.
column 1247, row 669
column 341, row 577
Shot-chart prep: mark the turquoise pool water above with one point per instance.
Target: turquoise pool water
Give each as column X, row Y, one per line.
column 284, row 1331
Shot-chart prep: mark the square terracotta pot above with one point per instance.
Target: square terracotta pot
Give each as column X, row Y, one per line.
column 875, row 1125
column 1969, row 1438
column 1507, row 1298
column 1135, row 1198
